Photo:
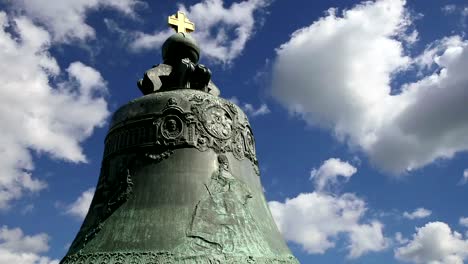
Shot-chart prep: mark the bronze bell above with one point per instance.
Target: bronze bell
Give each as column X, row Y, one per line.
column 179, row 182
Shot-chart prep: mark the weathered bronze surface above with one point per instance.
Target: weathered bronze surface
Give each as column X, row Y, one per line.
column 180, row 68
column 179, row 182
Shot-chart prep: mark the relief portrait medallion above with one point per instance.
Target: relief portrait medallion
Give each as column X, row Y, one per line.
column 171, row 127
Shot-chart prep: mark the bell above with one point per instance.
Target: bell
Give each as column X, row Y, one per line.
column 179, row 181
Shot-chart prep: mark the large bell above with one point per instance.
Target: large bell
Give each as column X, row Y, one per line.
column 179, row 184
column 179, row 181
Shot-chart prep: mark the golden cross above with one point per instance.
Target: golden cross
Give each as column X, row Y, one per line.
column 181, row 23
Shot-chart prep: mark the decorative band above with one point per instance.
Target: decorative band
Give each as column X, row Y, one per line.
column 150, row 257
column 211, row 124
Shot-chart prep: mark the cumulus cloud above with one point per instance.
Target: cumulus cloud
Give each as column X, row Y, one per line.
column 417, row 214
column 315, row 220
column 66, row 19
column 221, row 31
column 15, row 247
column 434, row 243
column 337, row 74
column 464, row 221
column 400, row 239
column 36, row 114
column 80, row 207
column 328, row 173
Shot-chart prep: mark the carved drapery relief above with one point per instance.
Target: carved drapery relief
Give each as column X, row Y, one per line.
column 222, row 222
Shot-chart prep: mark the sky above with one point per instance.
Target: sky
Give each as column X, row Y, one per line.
column 359, row 110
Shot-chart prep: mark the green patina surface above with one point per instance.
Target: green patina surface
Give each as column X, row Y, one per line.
column 179, row 181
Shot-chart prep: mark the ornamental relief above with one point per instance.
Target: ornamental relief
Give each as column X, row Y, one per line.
column 113, row 190
column 211, row 124
column 218, row 122
column 217, row 117
column 164, row 257
column 238, row 146
column 171, row 127
column 249, row 141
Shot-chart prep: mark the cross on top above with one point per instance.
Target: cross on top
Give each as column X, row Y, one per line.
column 181, row 23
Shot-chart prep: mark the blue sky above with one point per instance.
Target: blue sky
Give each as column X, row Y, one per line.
column 359, row 109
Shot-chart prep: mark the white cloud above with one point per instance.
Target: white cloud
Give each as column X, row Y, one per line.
column 315, row 220
column 144, row 41
column 417, row 214
column 460, row 11
column 336, row 73
column 80, row 207
column 27, row 209
column 249, row 109
column 464, row 221
column 449, row 9
column 37, row 115
column 328, row 173
column 464, row 12
column 464, row 180
column 15, row 247
column 430, row 56
column 410, row 38
column 66, row 19
column 434, row 243
column 365, row 238
column 261, row 110
column 15, row 240
column 400, row 239
column 221, row 31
